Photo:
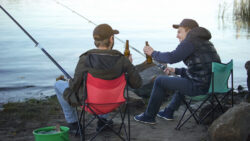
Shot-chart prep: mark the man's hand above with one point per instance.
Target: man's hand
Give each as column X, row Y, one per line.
column 148, row 50
column 170, row 71
column 61, row 77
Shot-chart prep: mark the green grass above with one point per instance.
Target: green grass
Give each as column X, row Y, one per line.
column 30, row 110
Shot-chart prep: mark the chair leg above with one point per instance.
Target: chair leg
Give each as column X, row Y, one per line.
column 232, row 97
column 191, row 111
column 222, row 110
column 232, row 87
column 192, row 114
column 214, row 108
column 79, row 129
column 128, row 122
column 106, row 125
column 211, row 111
column 203, row 118
column 83, row 124
column 128, row 108
column 177, row 127
column 123, row 116
column 219, row 104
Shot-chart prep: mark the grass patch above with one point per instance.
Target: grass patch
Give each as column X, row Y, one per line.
column 31, row 110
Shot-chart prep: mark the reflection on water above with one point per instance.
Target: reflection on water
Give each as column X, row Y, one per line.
column 242, row 25
column 241, row 12
column 237, row 11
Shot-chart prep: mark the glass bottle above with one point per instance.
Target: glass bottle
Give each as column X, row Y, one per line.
column 149, row 58
column 126, row 51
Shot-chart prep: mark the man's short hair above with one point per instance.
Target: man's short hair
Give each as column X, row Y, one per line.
column 104, row 42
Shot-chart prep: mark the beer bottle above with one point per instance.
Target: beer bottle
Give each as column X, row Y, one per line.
column 126, row 52
column 149, row 58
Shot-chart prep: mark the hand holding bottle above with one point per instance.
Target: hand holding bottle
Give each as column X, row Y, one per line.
column 170, row 71
column 148, row 57
column 148, row 50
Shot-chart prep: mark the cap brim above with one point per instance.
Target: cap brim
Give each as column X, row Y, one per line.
column 115, row 31
column 176, row 26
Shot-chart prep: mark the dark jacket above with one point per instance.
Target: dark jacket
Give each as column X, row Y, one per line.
column 104, row 64
column 199, row 63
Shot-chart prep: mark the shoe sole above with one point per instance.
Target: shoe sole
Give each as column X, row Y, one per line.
column 151, row 123
column 164, row 117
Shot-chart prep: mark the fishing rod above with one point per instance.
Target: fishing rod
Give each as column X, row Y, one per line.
column 44, row 51
column 161, row 66
column 37, row 44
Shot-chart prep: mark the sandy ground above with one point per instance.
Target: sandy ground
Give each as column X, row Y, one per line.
column 18, row 120
column 14, row 129
column 162, row 131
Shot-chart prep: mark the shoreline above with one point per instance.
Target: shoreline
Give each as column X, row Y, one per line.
column 39, row 93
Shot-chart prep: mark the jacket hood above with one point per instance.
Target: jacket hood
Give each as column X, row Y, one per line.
column 103, row 62
column 112, row 52
column 199, row 33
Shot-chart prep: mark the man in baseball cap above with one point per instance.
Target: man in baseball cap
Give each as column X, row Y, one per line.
column 103, row 35
column 102, row 62
column 197, row 53
column 184, row 27
column 103, row 31
column 189, row 23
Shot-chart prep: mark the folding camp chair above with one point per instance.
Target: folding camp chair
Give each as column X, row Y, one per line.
column 218, row 86
column 102, row 97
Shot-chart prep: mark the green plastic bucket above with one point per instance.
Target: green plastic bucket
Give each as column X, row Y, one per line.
column 60, row 136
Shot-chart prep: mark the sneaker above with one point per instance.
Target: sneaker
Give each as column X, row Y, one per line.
column 144, row 119
column 166, row 114
column 103, row 122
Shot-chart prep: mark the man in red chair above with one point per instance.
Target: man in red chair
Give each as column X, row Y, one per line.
column 103, row 63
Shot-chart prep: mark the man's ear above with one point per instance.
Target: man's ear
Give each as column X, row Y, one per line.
column 188, row 29
column 111, row 39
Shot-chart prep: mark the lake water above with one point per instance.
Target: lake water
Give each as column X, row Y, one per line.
column 26, row 72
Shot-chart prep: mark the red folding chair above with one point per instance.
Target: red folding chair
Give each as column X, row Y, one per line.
column 102, row 97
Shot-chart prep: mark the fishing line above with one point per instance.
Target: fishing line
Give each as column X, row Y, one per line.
column 37, row 44
column 161, row 66
column 73, row 11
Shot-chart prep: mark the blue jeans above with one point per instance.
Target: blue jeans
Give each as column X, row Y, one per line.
column 69, row 111
column 182, row 86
